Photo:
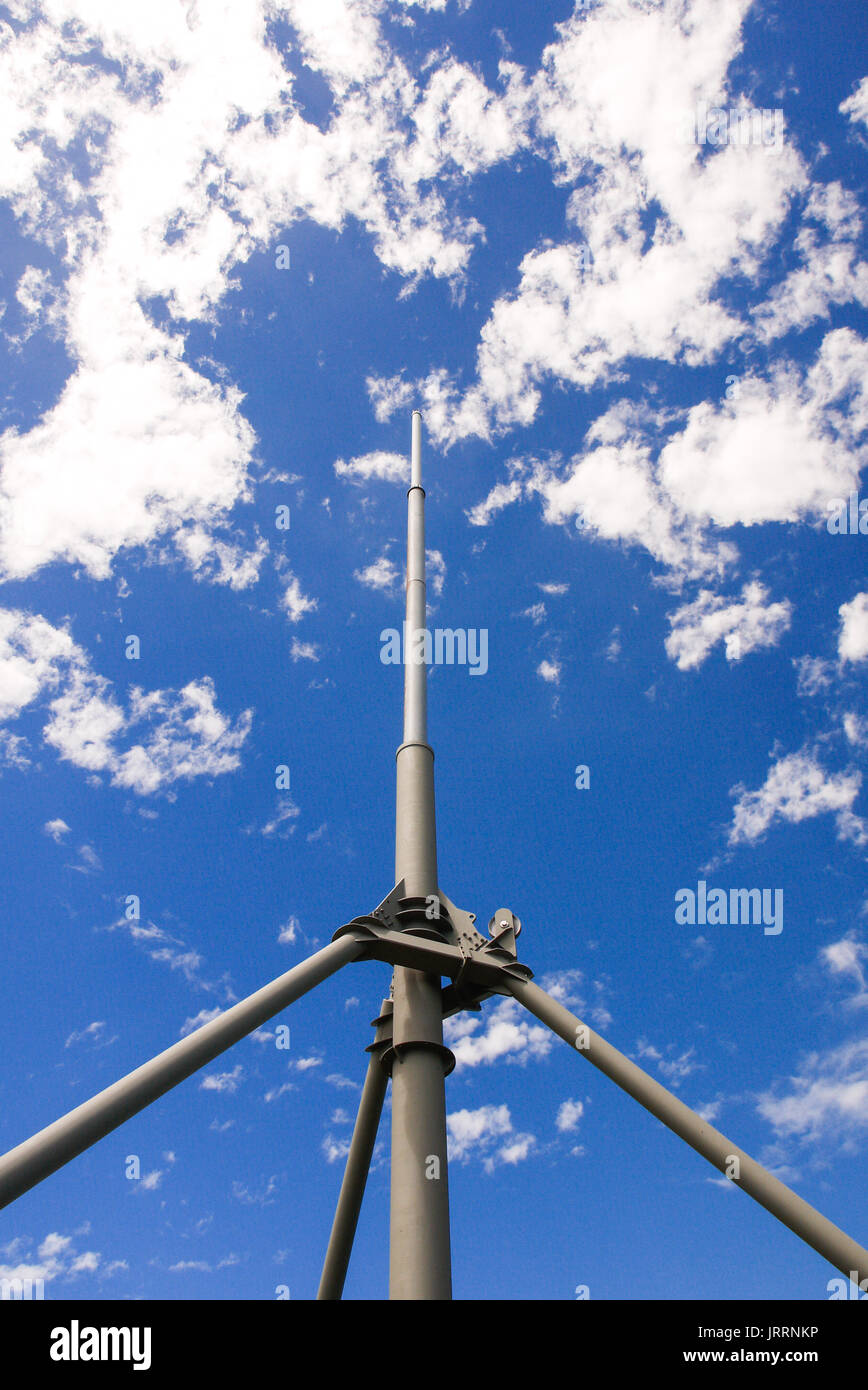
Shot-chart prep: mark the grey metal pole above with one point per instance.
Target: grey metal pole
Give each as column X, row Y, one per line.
column 829, row 1240
column 356, row 1172
column 420, row 1257
column 23, row 1167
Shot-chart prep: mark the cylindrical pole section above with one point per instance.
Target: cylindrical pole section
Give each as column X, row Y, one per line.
column 23, row 1167
column 364, row 1138
column 829, row 1240
column 420, row 1258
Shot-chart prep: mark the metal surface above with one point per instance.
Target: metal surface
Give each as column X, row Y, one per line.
column 355, row 1177
column 481, row 969
column 22, row 1167
column 814, row 1228
column 420, row 1257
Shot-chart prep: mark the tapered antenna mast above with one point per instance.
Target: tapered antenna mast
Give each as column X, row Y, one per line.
column 420, row 1262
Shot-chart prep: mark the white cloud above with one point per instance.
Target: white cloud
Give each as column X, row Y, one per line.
column 710, row 1113
column 53, row 1245
column 731, row 463
column 830, row 272
column 460, row 123
column 672, row 1065
column 567, row 987
column 277, row 1091
column 12, row 752
column 515, row 1151
column 303, row 651
column 157, row 184
column 88, row 1263
column 56, row 1258
column 741, row 626
column 568, row 1116
column 380, row 574
column 90, row 860
column 797, row 788
column 93, row 1032
column 262, row 1198
column 474, row 1134
column 334, row 1149
column 501, row 495
column 826, row 1100
column 150, row 218
column 676, row 1069
column 223, row 1080
column 187, row 962
column 435, row 570
column 613, row 491
column 471, row 1129
column 507, row 1032
column 393, row 468
column 294, row 602
column 605, row 106
column 282, row 824
column 289, row 931
column 550, row 671
column 848, row 958
column 173, row 953
column 853, row 637
column 34, row 656
column 219, row 561
column 343, row 1083
column 387, row 395
column 779, row 449
column 856, row 729
column 188, row 737
column 536, row 613
column 600, row 109
column 191, row 738
column 56, row 829
column 203, row 1016
column 856, row 105
column 814, row 674
column 132, row 450
column 202, row 1266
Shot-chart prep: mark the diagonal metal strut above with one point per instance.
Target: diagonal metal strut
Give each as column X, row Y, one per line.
column 355, row 1177
column 23, row 1167
column 815, row 1229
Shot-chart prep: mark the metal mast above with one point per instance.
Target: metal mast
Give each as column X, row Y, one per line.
column 424, row 937
column 420, row 1262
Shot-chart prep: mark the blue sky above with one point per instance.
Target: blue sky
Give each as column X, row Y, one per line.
column 641, row 361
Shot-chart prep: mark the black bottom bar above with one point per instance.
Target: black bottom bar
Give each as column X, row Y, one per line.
column 224, row 1338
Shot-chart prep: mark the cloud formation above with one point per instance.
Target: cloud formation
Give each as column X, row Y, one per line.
column 162, row 737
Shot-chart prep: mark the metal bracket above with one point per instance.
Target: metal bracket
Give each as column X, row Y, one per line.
column 402, row 932
column 435, row 917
